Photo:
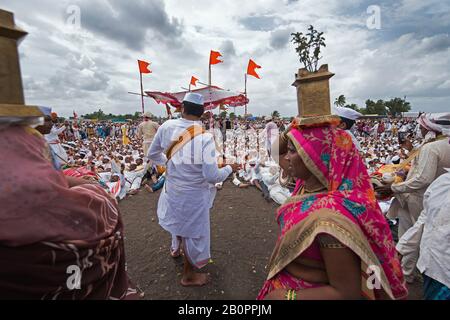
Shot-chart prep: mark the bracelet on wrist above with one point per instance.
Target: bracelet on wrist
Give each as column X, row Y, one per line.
column 291, row 295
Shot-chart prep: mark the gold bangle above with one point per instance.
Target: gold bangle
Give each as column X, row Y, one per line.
column 291, row 295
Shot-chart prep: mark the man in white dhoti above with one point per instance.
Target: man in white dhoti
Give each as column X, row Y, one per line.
column 430, row 163
column 54, row 142
column 430, row 234
column 183, row 208
column 272, row 132
column 147, row 131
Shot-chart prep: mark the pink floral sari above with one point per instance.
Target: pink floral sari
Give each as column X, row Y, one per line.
column 348, row 211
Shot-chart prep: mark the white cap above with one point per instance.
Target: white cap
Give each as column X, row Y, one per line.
column 268, row 118
column 148, row 115
column 346, row 113
column 194, row 98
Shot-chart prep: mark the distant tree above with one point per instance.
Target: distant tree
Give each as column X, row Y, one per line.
column 275, row 114
column 372, row 107
column 100, row 115
column 397, row 105
column 232, row 115
column 223, row 114
column 340, row 101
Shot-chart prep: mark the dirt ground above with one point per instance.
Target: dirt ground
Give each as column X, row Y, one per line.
column 243, row 234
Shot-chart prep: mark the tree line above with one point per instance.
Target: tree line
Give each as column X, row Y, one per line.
column 393, row 107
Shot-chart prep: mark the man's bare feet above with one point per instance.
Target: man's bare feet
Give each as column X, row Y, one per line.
column 196, row 280
column 148, row 188
column 176, row 253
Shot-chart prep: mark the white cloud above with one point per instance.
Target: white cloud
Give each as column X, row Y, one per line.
column 96, row 66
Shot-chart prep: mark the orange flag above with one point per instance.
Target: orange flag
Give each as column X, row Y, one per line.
column 143, row 66
column 194, row 81
column 214, row 57
column 251, row 69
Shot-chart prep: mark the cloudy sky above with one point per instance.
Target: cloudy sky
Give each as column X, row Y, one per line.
column 93, row 65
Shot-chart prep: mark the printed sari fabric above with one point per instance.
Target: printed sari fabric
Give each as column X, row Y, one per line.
column 56, row 242
column 347, row 210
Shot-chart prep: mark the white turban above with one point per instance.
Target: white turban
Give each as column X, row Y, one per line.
column 437, row 122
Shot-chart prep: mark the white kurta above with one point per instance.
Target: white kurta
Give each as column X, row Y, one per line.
column 185, row 201
column 355, row 141
column 430, row 164
column 272, row 132
column 55, row 144
column 430, row 235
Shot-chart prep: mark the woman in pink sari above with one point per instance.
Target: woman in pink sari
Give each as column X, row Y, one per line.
column 334, row 242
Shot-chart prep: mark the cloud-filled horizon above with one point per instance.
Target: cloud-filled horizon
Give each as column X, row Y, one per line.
column 93, row 65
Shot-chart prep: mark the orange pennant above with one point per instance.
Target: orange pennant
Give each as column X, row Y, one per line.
column 251, row 69
column 143, row 66
column 214, row 57
column 194, row 81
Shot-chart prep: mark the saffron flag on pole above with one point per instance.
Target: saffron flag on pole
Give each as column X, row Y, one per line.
column 194, row 81
column 251, row 69
column 214, row 57
column 143, row 66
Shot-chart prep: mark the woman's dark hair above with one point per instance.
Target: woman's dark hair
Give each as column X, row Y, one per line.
column 193, row 109
column 348, row 122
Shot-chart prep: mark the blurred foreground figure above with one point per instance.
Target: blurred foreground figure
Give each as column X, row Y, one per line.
column 56, row 242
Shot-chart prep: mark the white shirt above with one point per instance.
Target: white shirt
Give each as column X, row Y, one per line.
column 186, row 169
column 271, row 132
column 432, row 231
column 52, row 137
column 355, row 141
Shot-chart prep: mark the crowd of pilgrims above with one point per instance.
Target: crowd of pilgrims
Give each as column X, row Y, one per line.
column 113, row 152
column 114, row 157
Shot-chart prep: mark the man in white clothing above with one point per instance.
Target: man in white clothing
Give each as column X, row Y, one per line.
column 429, row 164
column 430, row 234
column 348, row 118
column 146, row 131
column 54, row 142
column 183, row 208
column 271, row 134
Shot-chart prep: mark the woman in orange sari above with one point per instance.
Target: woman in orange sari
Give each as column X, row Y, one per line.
column 334, row 242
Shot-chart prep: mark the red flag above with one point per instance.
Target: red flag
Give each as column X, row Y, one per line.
column 143, row 66
column 194, row 81
column 251, row 69
column 214, row 57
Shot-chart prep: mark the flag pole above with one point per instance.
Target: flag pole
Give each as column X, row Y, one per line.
column 209, row 75
column 142, row 93
column 245, row 93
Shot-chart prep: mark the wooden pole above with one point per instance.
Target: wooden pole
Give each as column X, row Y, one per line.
column 209, row 76
column 142, row 93
column 245, row 93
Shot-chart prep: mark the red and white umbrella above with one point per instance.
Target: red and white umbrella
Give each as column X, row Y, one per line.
column 213, row 97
